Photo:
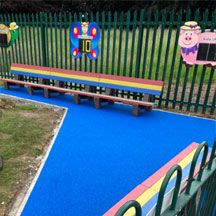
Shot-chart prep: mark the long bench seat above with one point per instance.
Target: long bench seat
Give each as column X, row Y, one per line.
column 111, row 83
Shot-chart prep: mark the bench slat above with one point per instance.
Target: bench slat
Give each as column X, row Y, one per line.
column 89, row 94
column 22, row 67
column 132, row 79
column 132, row 89
column 66, row 78
column 145, row 86
column 39, row 75
column 130, row 84
column 39, row 69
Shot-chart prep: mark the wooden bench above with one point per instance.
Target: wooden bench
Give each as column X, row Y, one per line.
column 111, row 83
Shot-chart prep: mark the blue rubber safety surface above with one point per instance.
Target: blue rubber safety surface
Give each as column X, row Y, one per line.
column 101, row 155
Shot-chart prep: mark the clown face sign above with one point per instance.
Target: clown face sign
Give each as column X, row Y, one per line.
column 84, row 38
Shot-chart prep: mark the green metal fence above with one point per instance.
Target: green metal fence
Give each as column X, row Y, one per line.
column 199, row 196
column 143, row 45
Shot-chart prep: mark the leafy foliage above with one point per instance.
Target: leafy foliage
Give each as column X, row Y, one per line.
column 27, row 6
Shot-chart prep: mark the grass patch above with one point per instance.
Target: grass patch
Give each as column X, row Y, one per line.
column 26, row 107
column 24, row 132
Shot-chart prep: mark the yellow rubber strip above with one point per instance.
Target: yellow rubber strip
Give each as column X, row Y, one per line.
column 131, row 84
column 86, row 78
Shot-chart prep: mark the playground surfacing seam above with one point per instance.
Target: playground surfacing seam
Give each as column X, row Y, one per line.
column 101, row 155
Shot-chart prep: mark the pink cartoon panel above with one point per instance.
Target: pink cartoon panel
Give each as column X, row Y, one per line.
column 197, row 48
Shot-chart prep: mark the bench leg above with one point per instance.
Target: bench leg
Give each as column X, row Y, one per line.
column 30, row 90
column 47, row 93
column 20, row 78
column 135, row 110
column 60, row 84
column 97, row 103
column 148, row 108
column 110, row 92
column 148, row 98
column 7, row 85
column 61, row 93
column 44, row 81
column 76, row 99
column 111, row 102
column 21, row 85
column 89, row 88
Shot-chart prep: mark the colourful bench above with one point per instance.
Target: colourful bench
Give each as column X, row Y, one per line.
column 111, row 83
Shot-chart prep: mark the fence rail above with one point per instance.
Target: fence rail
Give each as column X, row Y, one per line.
column 143, row 45
column 198, row 198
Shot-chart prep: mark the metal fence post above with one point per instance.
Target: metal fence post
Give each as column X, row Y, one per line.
column 43, row 43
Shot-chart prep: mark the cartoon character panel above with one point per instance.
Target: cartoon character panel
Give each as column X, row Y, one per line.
column 197, row 48
column 8, row 35
column 85, row 38
column 5, row 35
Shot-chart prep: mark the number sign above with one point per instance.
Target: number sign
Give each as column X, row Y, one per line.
column 84, row 38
